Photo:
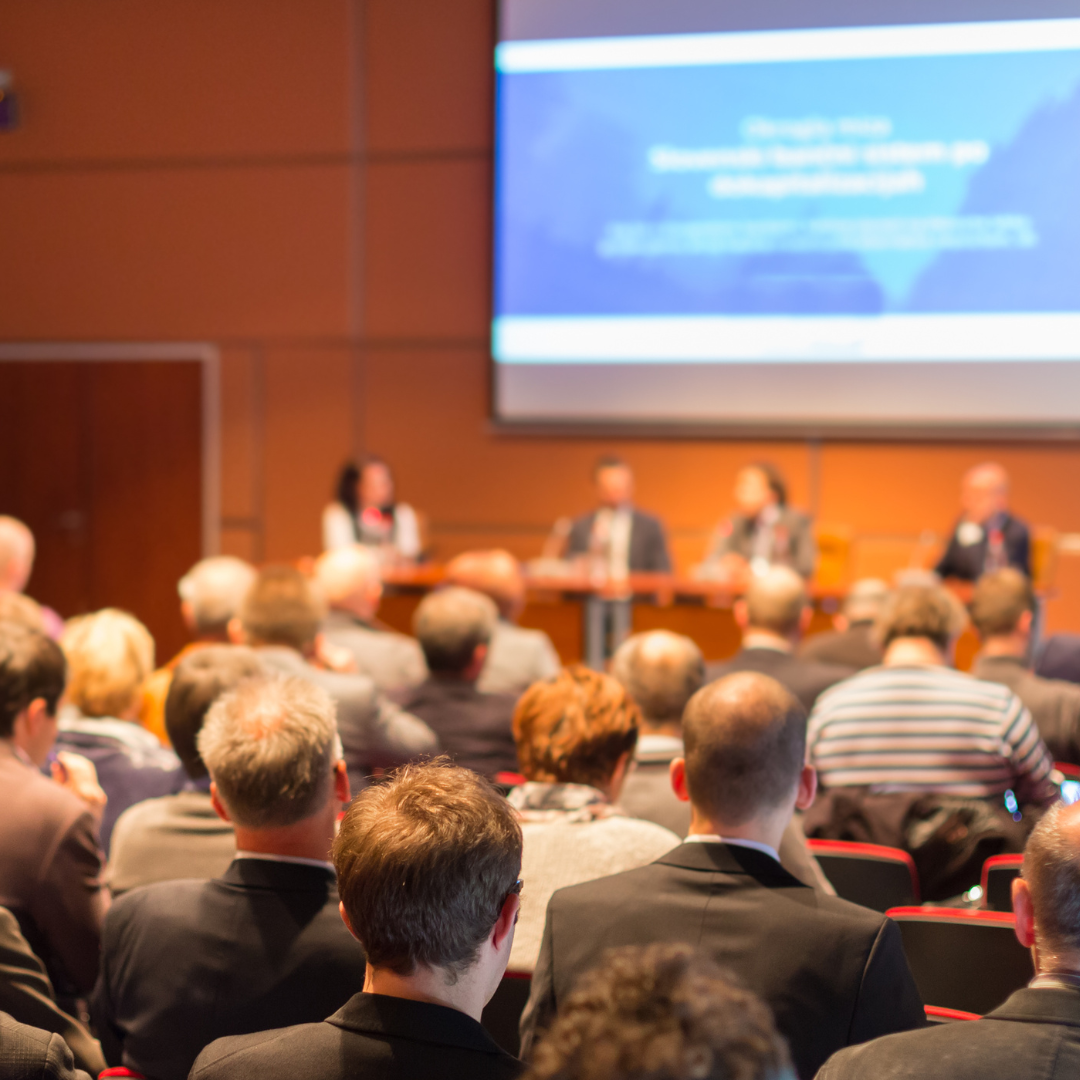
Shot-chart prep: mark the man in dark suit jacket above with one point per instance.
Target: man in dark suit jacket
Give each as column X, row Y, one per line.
column 50, row 859
column 428, row 867
column 1003, row 609
column 833, row 973
column 186, row 962
column 1037, row 1031
column 622, row 537
column 280, row 617
column 475, row 730
column 29, row 1053
column 987, row 537
column 772, row 616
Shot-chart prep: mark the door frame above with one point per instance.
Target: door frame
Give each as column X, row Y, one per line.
column 202, row 352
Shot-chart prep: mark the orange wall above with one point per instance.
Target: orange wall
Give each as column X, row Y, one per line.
column 306, row 183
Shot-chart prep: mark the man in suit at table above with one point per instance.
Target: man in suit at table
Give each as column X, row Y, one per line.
column 987, row 537
column 186, row 962
column 773, row 615
column 833, row 973
column 428, row 865
column 1036, row 1032
column 617, row 534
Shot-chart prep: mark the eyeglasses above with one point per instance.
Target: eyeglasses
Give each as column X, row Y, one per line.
column 515, row 890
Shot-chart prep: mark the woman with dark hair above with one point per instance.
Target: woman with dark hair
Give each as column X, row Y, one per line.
column 365, row 512
column 764, row 531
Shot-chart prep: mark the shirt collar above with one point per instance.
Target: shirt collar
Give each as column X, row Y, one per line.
column 299, row 860
column 1055, row 980
column 706, row 838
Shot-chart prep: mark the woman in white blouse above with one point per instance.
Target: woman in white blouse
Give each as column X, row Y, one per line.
column 365, row 512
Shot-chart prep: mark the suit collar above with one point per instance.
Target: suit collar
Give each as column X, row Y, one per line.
column 1049, row 1005
column 278, row 876
column 1007, row 663
column 419, row 1021
column 722, row 859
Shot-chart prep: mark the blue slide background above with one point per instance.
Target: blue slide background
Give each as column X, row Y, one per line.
column 572, row 158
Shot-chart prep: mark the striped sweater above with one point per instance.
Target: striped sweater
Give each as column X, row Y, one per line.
column 928, row 729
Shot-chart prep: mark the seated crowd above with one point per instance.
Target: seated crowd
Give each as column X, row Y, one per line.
column 311, row 846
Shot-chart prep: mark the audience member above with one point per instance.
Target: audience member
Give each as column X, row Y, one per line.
column 50, row 861
column 351, row 582
column 1003, row 611
column 1058, row 657
column 1036, row 1032
column 516, row 657
column 428, row 866
column 617, row 537
column 765, row 531
column 109, row 655
column 914, row 724
column 772, row 616
column 366, row 512
column 833, row 973
column 662, row 671
column 454, row 627
column 280, row 617
column 852, row 643
column 576, row 735
column 987, row 537
column 186, row 962
column 17, row 550
column 18, row 608
column 30, row 1053
column 181, row 835
column 27, row 996
column 210, row 596
column 665, row 1012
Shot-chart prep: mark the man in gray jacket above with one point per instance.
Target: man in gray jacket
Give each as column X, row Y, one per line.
column 280, row 617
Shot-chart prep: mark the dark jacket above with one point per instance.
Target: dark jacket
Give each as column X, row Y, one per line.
column 1036, row 1033
column 1054, row 704
column 967, row 561
column 648, row 544
column 28, row 1053
column 186, row 962
column 806, row 679
column 472, row 728
column 371, row 1036
column 833, row 973
column 793, row 541
column 853, row 648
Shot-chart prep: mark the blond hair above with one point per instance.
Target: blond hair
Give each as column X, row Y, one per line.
column 109, row 655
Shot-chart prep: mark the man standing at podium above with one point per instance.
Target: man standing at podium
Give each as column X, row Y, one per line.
column 618, row 536
column 987, row 537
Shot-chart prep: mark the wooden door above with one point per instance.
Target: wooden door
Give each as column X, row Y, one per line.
column 103, row 460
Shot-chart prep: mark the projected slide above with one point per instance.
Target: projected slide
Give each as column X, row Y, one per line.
column 853, row 195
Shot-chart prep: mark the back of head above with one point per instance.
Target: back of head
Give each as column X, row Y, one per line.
column 573, row 729
column 865, row 599
column 270, row 746
column 661, row 671
column 16, row 554
column 109, row 654
column 665, row 1012
column 215, row 588
column 32, row 666
column 496, row 574
column 17, row 608
column 1052, row 870
column 745, row 738
column 424, row 863
column 198, row 681
column 920, row 611
column 346, row 572
column 1000, row 599
column 449, row 624
column 282, row 608
column 775, row 601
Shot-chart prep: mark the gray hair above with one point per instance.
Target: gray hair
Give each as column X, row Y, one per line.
column 1052, row 870
column 215, row 589
column 450, row 624
column 865, row 599
column 661, row 671
column 270, row 747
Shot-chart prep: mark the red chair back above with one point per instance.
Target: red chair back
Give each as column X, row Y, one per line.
column 876, row 877
column 998, row 874
column 963, row 959
column 120, row 1070
column 1068, row 770
column 937, row 1015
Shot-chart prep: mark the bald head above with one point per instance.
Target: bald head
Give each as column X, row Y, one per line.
column 496, row 574
column 1052, row 872
column 775, row 601
column 661, row 671
column 984, row 492
column 745, row 738
column 350, row 579
column 212, row 591
column 16, row 554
